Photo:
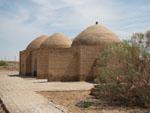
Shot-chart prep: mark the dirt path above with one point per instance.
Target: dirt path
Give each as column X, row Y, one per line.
column 18, row 97
column 19, row 94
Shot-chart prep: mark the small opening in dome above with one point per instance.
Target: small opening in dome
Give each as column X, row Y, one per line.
column 96, row 22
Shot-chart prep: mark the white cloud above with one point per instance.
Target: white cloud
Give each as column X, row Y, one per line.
column 70, row 17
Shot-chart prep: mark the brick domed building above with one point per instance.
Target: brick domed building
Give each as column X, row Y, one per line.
column 49, row 50
column 28, row 54
column 57, row 58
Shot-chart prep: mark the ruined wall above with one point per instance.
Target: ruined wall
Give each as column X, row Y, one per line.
column 42, row 63
column 63, row 65
column 25, row 62
column 87, row 59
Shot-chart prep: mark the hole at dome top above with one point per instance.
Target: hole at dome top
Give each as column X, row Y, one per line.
column 96, row 23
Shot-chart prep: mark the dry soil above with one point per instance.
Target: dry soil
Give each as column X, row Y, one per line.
column 69, row 99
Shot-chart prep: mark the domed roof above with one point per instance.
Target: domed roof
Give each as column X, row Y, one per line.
column 36, row 43
column 95, row 35
column 57, row 40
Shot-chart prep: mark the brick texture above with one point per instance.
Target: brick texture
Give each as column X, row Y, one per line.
column 61, row 64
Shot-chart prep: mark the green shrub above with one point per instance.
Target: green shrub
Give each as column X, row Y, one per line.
column 3, row 63
column 84, row 104
column 123, row 75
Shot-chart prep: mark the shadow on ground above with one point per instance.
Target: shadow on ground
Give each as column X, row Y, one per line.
column 22, row 76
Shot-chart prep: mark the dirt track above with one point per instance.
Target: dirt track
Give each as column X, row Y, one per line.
column 19, row 94
column 19, row 97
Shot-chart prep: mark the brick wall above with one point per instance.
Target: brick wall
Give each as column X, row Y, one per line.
column 34, row 62
column 87, row 56
column 25, row 62
column 63, row 65
column 42, row 63
column 22, row 63
column 68, row 64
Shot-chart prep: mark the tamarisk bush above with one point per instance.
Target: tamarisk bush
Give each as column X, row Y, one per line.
column 123, row 75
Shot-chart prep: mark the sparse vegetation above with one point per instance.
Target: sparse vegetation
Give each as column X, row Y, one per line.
column 9, row 65
column 84, row 104
column 3, row 63
column 124, row 73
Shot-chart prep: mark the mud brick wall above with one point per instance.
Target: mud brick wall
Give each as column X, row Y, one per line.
column 63, row 65
column 42, row 63
column 34, row 62
column 25, row 62
column 87, row 56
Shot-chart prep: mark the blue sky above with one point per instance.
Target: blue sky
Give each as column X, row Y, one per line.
column 23, row 20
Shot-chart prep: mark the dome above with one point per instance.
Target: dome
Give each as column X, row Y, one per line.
column 36, row 43
column 57, row 40
column 95, row 35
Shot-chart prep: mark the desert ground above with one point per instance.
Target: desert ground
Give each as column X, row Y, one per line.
column 11, row 66
column 71, row 98
column 22, row 94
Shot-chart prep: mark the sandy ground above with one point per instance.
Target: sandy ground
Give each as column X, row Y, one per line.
column 2, row 108
column 12, row 66
column 19, row 94
column 55, row 93
column 69, row 99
